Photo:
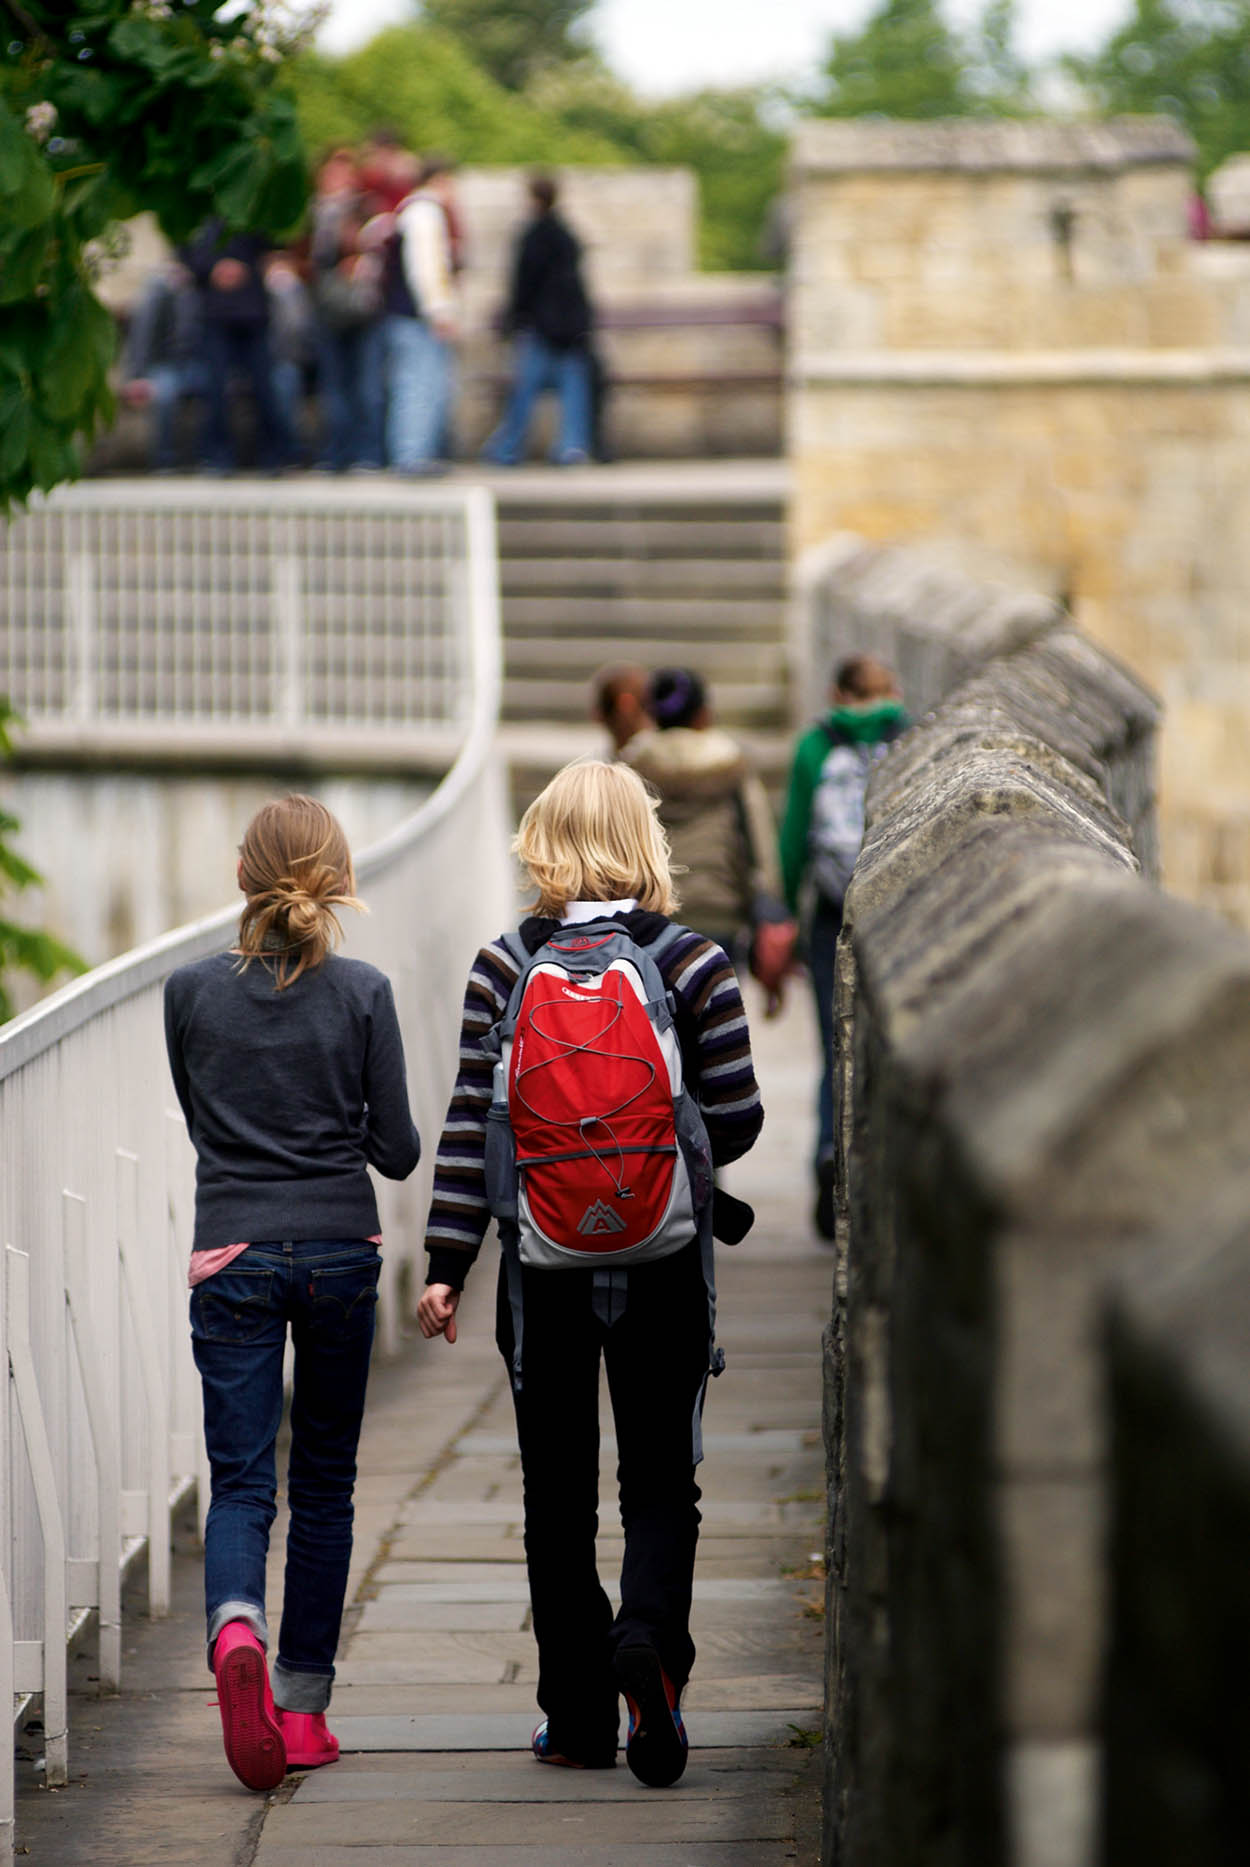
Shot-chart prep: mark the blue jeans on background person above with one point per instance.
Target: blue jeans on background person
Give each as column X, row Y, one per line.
column 419, row 386
column 541, row 366
column 326, row 1290
column 232, row 350
column 288, row 393
column 351, row 385
column 171, row 382
column 822, row 942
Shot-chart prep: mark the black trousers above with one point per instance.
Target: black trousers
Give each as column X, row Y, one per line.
column 656, row 1355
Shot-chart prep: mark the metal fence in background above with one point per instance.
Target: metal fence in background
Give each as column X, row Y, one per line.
column 206, row 610
column 100, row 1417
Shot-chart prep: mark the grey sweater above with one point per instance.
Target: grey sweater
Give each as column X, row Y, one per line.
column 287, row 1096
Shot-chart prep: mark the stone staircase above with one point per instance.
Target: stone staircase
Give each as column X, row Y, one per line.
column 655, row 565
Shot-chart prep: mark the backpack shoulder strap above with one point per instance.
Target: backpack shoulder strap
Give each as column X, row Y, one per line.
column 516, row 947
column 668, row 937
column 518, row 951
column 836, row 735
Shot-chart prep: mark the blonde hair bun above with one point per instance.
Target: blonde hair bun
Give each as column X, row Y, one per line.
column 296, row 870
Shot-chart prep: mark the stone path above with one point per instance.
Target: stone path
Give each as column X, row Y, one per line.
column 434, row 1704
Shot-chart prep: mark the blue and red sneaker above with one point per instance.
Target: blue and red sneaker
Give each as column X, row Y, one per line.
column 657, row 1746
column 546, row 1752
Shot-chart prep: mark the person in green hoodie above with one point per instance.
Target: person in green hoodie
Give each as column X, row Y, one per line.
column 821, row 831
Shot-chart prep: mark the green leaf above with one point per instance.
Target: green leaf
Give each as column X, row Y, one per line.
column 39, row 953
column 26, row 185
column 52, row 456
column 239, row 186
column 14, row 431
column 22, row 258
column 14, row 868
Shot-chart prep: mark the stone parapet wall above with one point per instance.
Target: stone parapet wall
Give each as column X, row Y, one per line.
column 1042, row 1064
column 1177, row 1714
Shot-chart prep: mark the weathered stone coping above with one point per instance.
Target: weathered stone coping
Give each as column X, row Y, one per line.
column 1024, row 369
column 832, row 146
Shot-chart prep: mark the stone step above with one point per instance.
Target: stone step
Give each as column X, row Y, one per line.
column 644, row 577
column 601, row 532
column 685, row 568
column 733, row 624
column 575, row 659
column 751, row 704
column 666, row 618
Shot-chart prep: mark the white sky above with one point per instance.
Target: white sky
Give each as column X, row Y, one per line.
column 676, row 45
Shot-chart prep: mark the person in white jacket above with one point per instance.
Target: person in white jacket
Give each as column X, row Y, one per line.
column 420, row 311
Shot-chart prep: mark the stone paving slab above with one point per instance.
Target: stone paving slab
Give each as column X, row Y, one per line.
column 509, row 1779
column 510, row 1731
column 375, row 1693
column 453, row 1854
column 718, row 1513
column 767, row 1443
column 394, row 1612
column 388, row 1824
column 458, row 1587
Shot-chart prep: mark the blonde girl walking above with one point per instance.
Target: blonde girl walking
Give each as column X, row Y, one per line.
column 605, row 1047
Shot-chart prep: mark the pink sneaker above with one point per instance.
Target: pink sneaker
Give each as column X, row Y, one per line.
column 254, row 1747
column 308, row 1743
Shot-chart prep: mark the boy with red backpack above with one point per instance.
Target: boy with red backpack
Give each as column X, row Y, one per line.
column 605, row 1070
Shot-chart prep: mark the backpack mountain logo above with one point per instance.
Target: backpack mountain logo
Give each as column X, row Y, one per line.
column 599, row 1218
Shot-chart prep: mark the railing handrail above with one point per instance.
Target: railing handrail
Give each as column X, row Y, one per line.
column 242, row 492
column 46, row 1023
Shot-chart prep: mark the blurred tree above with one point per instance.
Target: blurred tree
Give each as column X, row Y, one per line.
column 907, row 61
column 513, row 39
column 104, row 111
column 997, row 74
column 736, row 156
column 426, row 85
column 437, row 97
column 1189, row 59
column 23, row 949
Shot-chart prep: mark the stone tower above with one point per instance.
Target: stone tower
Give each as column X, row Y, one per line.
column 1007, row 350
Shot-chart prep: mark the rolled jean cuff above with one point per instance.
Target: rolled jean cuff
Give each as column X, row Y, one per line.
column 245, row 1611
column 300, row 1691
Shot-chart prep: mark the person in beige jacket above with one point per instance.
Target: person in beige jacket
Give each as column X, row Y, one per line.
column 714, row 808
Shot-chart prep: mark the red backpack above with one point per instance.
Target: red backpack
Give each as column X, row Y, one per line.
column 596, row 1154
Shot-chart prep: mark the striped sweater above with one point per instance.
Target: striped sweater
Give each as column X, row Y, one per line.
column 716, row 1053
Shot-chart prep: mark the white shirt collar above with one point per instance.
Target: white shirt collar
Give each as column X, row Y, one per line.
column 575, row 911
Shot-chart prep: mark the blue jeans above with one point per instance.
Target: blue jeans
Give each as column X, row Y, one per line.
column 232, row 350
column 351, row 387
column 541, row 366
column 822, row 941
column 326, row 1289
column 419, row 384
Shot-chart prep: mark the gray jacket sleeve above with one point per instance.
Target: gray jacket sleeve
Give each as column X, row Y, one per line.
column 392, row 1143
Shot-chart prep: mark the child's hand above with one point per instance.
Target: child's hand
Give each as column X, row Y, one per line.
column 436, row 1312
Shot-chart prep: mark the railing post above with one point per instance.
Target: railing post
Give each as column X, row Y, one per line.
column 288, row 614
column 93, row 1344
column 138, row 1298
column 53, row 1669
column 80, row 579
column 6, row 1699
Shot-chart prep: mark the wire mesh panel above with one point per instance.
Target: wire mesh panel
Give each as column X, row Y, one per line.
column 133, row 602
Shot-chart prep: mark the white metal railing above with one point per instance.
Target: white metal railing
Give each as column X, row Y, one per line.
column 150, row 613
column 100, row 1417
